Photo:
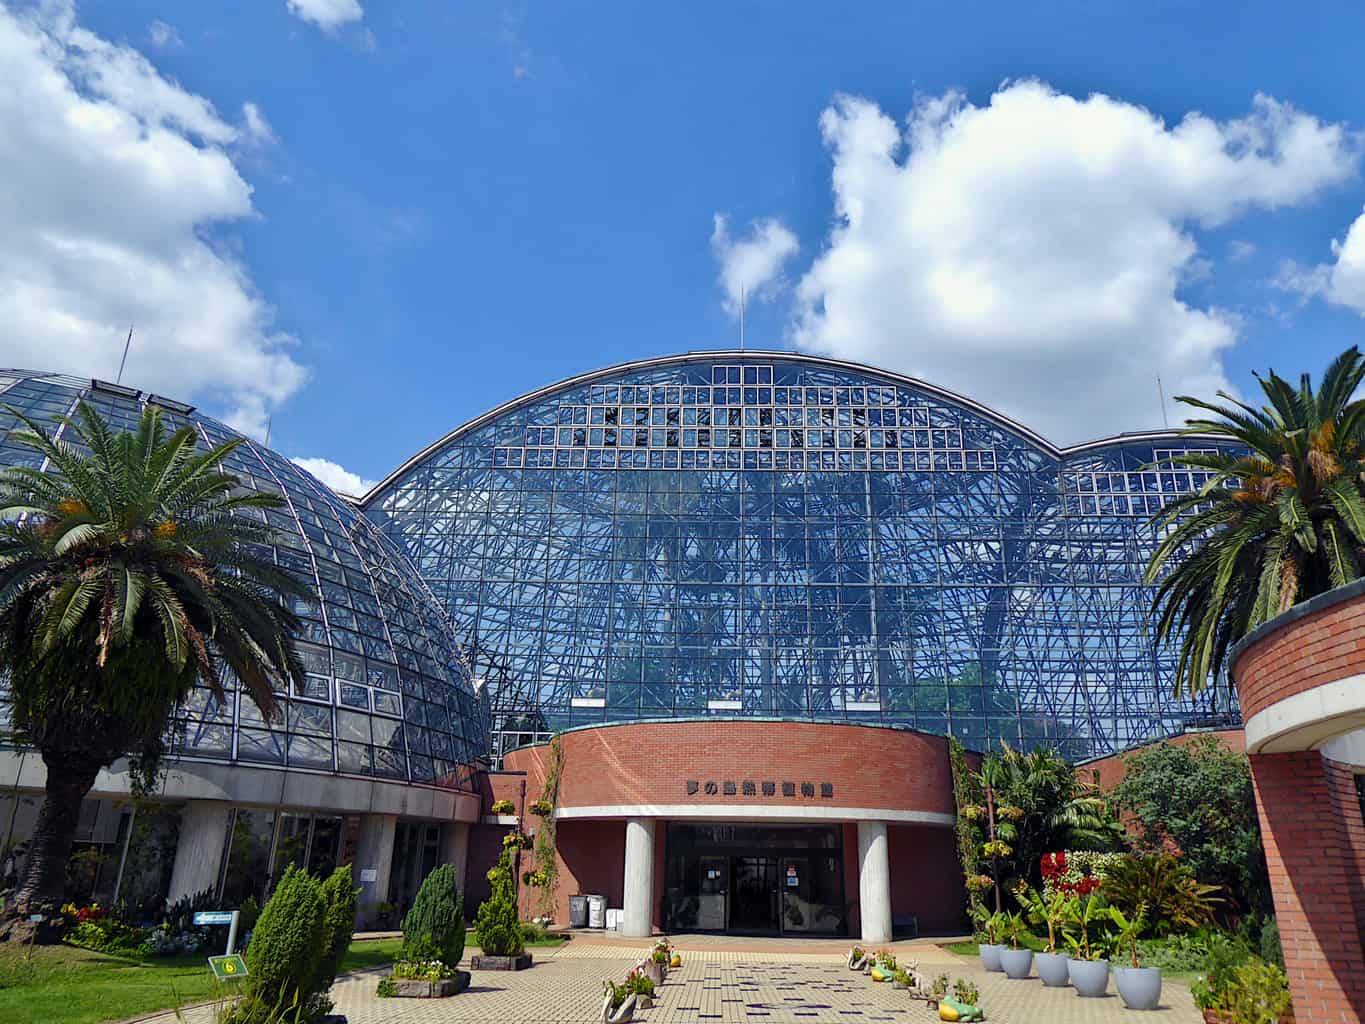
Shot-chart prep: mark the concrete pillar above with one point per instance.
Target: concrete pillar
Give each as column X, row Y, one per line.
column 638, row 890
column 455, row 851
column 874, row 881
column 199, row 853
column 373, row 860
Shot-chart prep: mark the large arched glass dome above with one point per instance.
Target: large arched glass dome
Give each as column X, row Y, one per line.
column 775, row 535
column 388, row 692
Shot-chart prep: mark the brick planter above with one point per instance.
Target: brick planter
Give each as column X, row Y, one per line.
column 501, row 963
column 404, row 989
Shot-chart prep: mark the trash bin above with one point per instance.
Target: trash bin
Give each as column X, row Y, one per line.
column 597, row 911
column 578, row 911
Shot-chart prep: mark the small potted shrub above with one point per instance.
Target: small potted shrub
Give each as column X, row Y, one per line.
column 938, row 989
column 542, row 808
column 497, row 929
column 1052, row 965
column 501, row 807
column 433, row 941
column 618, row 1003
column 962, row 1007
column 989, row 929
column 901, row 978
column 1016, row 962
column 657, row 965
column 642, row 988
column 1139, row 987
column 1260, row 994
column 1089, row 965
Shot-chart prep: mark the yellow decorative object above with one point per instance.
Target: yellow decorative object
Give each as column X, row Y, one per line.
column 676, row 961
column 881, row 974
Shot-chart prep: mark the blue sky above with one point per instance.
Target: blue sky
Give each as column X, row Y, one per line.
column 367, row 223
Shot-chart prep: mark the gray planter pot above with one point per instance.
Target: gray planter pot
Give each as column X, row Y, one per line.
column 1090, row 977
column 408, row 989
column 1140, row 987
column 990, row 956
column 1053, row 969
column 501, row 963
column 1016, row 963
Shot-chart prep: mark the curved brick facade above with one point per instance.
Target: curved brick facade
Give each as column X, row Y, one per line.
column 905, row 774
column 1300, row 681
column 1312, row 645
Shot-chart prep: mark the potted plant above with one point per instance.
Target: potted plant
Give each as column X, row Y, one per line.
column 901, row 978
column 1052, row 965
column 857, row 956
column 501, row 807
column 1089, row 966
column 642, row 988
column 657, row 965
column 1139, row 987
column 938, row 989
column 962, row 1007
column 989, row 927
column 1016, row 962
column 542, row 808
column 618, row 1003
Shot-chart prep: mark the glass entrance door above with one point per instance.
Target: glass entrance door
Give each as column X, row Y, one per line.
column 713, row 887
column 753, row 894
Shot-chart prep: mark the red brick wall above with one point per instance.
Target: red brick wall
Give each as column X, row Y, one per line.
column 1315, row 849
column 1307, row 652
column 925, row 877
column 1111, row 769
column 852, row 895
column 485, row 846
column 650, row 763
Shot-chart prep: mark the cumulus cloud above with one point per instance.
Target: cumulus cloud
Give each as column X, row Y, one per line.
column 1030, row 252
column 338, row 478
column 114, row 181
column 164, row 36
column 1342, row 281
column 751, row 265
column 328, row 15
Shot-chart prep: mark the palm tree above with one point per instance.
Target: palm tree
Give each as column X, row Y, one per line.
column 1281, row 520
column 129, row 570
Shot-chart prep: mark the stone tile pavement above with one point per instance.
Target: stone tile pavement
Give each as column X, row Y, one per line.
column 731, row 987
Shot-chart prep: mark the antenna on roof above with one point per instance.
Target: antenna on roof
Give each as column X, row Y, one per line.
column 122, row 362
column 741, row 318
column 1161, row 395
column 269, row 422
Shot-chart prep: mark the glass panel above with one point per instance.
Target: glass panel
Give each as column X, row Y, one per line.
column 246, row 869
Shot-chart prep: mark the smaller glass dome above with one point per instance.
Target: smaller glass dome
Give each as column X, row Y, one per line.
column 389, row 692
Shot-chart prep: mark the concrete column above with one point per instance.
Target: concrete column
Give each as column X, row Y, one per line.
column 455, row 851
column 199, row 853
column 637, row 901
column 874, row 881
column 373, row 854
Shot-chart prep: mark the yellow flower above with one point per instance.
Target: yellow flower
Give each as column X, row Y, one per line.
column 166, row 529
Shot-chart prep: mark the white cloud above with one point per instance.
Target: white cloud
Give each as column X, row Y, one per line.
column 164, row 36
column 328, row 15
column 1029, row 252
column 751, row 265
column 1341, row 282
column 255, row 128
column 1240, row 249
column 338, row 478
column 113, row 180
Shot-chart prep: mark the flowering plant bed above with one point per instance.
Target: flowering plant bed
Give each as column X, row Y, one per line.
column 414, row 988
column 501, row 963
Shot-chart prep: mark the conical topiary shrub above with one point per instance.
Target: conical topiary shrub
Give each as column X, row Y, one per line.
column 434, row 927
column 497, row 929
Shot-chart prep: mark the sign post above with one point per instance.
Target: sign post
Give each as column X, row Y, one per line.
column 227, row 917
column 227, row 968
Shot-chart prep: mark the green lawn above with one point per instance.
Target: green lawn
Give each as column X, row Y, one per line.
column 74, row 986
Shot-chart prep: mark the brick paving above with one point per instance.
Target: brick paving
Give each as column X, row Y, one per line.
column 732, row 986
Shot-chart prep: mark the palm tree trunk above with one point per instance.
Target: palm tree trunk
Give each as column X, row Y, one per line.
column 44, row 884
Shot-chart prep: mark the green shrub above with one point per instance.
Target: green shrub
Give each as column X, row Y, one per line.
column 1271, row 952
column 1259, row 993
column 386, row 988
column 105, row 936
column 434, row 928
column 338, row 924
column 303, row 931
column 497, row 928
column 284, row 950
column 1175, row 900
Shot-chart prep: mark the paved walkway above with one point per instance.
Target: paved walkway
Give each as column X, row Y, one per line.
column 732, row 986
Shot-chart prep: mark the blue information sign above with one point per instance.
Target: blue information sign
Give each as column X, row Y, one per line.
column 213, row 917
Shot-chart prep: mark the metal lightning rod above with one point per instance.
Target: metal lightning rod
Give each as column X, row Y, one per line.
column 122, row 362
column 741, row 318
column 1161, row 394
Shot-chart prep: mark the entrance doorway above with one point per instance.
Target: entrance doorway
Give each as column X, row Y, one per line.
column 755, row 879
